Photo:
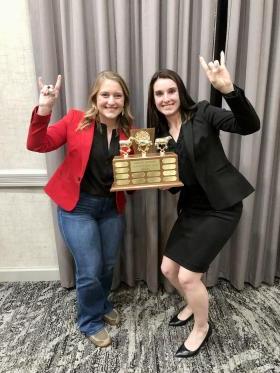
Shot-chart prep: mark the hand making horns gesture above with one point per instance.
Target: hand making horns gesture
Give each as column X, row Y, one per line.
column 48, row 93
column 218, row 74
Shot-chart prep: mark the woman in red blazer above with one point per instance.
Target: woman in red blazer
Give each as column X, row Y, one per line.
column 210, row 202
column 90, row 217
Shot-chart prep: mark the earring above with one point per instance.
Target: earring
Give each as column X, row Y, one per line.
column 123, row 112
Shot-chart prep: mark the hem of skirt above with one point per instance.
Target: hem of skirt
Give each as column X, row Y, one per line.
column 188, row 266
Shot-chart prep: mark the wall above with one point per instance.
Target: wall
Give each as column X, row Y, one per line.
column 27, row 243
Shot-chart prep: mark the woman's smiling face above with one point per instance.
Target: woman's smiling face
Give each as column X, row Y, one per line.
column 110, row 100
column 166, row 96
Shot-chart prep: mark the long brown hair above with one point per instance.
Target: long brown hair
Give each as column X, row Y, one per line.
column 187, row 105
column 124, row 119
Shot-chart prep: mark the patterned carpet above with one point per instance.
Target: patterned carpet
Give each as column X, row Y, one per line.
column 38, row 333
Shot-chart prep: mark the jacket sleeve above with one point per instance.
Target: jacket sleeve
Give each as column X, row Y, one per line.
column 42, row 138
column 242, row 118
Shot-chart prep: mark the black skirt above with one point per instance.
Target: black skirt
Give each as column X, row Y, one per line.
column 200, row 232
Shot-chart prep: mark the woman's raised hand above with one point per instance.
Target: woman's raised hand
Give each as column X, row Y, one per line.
column 48, row 95
column 218, row 74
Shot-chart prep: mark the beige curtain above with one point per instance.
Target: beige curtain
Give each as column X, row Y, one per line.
column 136, row 37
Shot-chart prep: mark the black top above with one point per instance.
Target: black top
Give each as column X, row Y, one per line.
column 186, row 171
column 98, row 177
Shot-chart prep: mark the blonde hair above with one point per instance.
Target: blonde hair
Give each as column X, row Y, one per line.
column 124, row 119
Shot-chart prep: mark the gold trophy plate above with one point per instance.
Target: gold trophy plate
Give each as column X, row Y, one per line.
column 153, row 171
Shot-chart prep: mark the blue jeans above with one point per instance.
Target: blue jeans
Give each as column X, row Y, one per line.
column 92, row 232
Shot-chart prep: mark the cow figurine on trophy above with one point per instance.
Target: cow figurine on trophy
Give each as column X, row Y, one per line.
column 161, row 144
column 125, row 147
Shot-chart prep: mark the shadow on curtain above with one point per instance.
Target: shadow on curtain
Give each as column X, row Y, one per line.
column 79, row 39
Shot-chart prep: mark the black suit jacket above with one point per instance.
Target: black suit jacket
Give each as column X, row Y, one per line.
column 223, row 184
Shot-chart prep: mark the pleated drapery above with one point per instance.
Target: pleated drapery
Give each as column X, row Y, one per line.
column 137, row 37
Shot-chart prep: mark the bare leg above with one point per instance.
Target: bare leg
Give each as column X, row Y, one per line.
column 197, row 297
column 170, row 269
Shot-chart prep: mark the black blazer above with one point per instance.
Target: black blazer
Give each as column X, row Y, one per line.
column 223, row 184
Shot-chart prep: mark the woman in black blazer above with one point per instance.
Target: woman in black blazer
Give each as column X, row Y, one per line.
column 210, row 203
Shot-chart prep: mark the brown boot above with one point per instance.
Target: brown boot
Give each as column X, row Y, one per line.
column 101, row 338
column 112, row 318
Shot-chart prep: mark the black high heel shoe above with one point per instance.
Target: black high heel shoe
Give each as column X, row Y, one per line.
column 183, row 352
column 177, row 322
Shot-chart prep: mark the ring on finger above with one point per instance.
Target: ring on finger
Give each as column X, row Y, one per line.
column 51, row 91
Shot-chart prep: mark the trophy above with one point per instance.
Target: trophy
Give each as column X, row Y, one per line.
column 145, row 169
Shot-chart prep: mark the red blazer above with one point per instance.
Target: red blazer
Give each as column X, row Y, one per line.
column 64, row 185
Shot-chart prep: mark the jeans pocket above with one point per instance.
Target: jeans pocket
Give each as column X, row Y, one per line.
column 60, row 212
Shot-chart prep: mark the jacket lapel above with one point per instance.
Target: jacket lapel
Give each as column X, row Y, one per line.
column 187, row 129
column 122, row 135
